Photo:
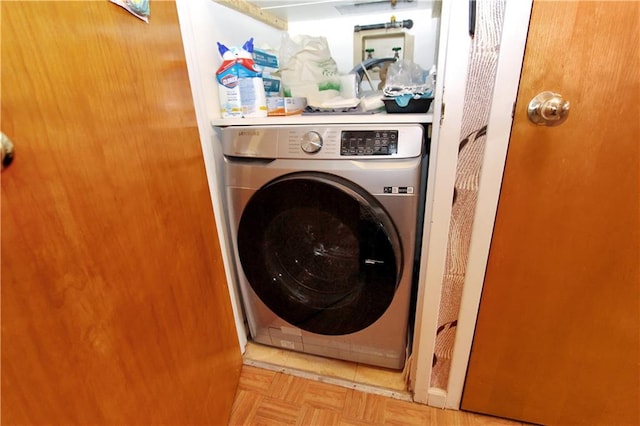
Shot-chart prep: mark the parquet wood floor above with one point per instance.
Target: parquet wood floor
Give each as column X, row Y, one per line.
column 267, row 397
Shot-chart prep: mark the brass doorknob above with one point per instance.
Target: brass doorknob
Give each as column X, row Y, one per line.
column 6, row 147
column 548, row 109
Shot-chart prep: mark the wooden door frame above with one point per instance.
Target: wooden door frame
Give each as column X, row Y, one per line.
column 512, row 47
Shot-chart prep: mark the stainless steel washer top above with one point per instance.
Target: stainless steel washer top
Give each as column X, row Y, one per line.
column 324, row 222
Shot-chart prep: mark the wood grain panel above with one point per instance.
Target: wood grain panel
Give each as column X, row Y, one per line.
column 115, row 308
column 557, row 340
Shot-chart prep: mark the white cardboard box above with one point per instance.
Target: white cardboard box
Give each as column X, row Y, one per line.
column 279, row 106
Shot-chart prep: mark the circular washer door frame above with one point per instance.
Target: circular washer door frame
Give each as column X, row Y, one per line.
column 320, row 252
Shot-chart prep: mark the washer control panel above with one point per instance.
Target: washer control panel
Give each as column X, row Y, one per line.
column 369, row 142
column 324, row 142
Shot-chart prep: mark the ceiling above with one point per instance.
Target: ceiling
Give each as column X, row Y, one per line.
column 305, row 10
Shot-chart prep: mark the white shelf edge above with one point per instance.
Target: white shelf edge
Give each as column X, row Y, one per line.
column 325, row 119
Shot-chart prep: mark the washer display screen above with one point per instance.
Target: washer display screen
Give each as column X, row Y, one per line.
column 369, row 142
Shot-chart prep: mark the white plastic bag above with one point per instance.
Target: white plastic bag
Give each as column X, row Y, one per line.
column 307, row 68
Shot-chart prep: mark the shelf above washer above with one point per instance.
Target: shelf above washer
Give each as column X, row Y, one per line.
column 379, row 118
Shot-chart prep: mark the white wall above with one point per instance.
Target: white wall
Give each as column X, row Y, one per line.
column 339, row 34
column 209, row 23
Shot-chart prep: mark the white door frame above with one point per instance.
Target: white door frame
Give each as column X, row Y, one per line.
column 454, row 45
column 455, row 42
column 512, row 47
column 453, row 58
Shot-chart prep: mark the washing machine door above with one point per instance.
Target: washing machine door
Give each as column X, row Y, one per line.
column 320, row 252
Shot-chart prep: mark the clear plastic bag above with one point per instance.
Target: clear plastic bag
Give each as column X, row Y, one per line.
column 405, row 77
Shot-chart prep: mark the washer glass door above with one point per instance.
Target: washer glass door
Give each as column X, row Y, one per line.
column 320, row 252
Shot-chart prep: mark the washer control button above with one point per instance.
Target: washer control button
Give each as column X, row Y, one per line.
column 311, row 142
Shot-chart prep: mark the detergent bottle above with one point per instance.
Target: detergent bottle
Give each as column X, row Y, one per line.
column 241, row 89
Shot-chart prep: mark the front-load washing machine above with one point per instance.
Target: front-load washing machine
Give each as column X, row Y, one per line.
column 324, row 222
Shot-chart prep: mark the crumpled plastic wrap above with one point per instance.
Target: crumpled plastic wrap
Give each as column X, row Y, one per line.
column 404, row 77
column 138, row 8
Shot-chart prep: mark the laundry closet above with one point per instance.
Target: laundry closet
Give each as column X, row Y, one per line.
column 416, row 31
column 116, row 293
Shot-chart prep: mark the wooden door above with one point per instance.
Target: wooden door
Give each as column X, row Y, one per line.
column 558, row 330
column 115, row 308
